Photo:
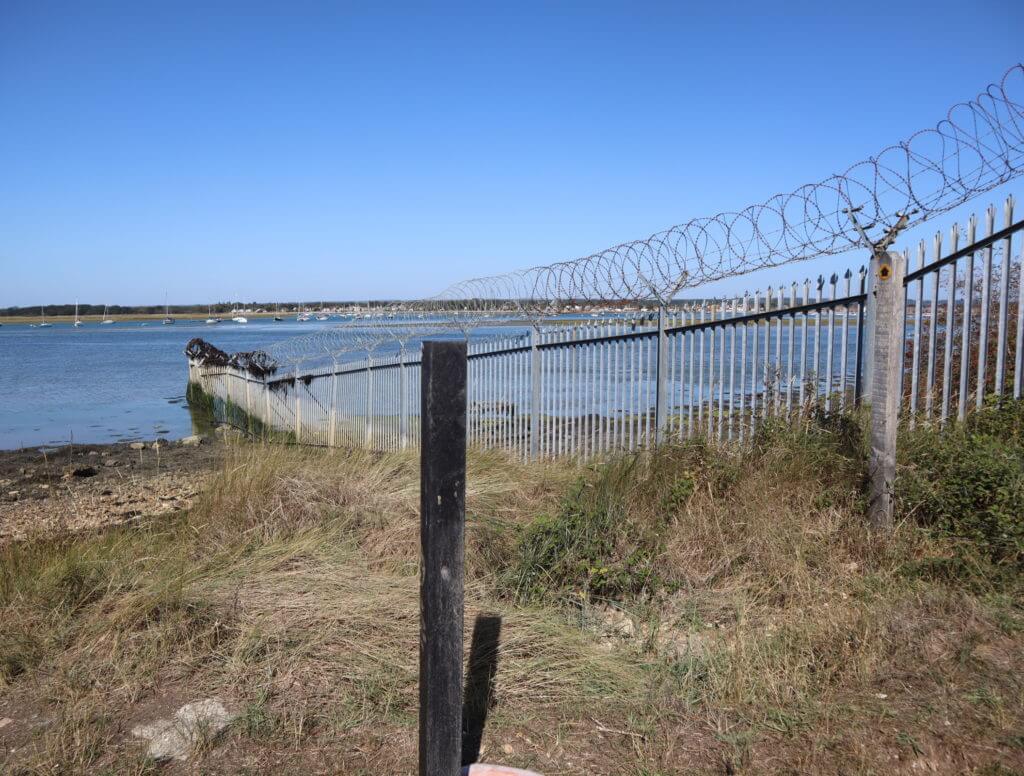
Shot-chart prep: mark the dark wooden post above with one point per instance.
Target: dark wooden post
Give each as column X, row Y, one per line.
column 442, row 519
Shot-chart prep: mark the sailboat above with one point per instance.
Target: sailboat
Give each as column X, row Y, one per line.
column 277, row 314
column 78, row 321
column 240, row 318
column 43, row 324
column 168, row 320
column 106, row 318
column 209, row 316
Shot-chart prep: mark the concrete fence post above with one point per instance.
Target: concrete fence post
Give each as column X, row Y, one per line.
column 884, row 364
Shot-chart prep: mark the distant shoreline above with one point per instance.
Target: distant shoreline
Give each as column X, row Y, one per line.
column 128, row 318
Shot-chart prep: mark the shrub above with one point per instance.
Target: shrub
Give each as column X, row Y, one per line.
column 592, row 546
column 967, row 482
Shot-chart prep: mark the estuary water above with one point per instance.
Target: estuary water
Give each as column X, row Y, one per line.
column 127, row 381
column 110, row 383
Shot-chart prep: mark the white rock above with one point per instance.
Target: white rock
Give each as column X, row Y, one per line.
column 191, row 441
column 618, row 623
column 483, row 769
column 177, row 737
column 137, row 445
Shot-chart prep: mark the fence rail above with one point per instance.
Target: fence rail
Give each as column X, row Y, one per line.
column 716, row 368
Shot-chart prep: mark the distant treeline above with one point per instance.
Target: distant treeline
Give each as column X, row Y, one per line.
column 221, row 308
column 186, row 309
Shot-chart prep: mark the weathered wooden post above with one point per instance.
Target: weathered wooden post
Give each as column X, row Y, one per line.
column 442, row 519
column 885, row 360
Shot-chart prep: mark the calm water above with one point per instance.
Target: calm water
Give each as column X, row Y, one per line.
column 127, row 381
column 109, row 383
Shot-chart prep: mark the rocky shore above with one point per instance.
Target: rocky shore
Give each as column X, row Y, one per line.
column 83, row 487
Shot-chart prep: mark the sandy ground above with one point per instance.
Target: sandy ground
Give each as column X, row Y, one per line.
column 84, row 487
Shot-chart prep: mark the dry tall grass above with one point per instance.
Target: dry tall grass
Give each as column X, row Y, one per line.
column 769, row 632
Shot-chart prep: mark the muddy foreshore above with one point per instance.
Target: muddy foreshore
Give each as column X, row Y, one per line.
column 83, row 487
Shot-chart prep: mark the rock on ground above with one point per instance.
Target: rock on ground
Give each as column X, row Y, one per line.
column 192, row 724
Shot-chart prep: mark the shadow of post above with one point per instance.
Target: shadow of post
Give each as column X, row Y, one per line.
column 481, row 670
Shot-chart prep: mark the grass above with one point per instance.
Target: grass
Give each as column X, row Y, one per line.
column 695, row 610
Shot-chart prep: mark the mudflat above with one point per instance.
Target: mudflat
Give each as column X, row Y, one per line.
column 85, row 487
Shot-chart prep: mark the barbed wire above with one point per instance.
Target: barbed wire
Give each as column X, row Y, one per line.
column 978, row 145
column 354, row 341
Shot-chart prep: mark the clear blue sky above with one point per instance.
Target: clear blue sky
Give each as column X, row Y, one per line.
column 218, row 150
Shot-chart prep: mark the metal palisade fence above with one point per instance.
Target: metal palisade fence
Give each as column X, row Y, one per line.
column 713, row 368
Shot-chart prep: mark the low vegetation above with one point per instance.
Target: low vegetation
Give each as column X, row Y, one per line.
column 694, row 610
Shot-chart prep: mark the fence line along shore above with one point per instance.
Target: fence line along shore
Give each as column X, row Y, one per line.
column 711, row 368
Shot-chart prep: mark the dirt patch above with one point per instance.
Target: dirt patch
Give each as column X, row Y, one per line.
column 84, row 487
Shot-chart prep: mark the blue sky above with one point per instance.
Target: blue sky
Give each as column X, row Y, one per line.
column 313, row 150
